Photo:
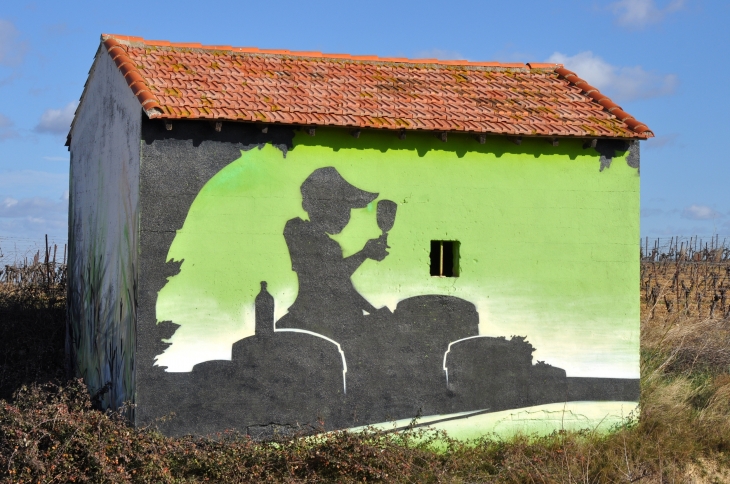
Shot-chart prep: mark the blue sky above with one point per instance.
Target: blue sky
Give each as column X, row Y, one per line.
column 664, row 61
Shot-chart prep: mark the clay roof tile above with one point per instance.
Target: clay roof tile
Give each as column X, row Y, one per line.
column 311, row 88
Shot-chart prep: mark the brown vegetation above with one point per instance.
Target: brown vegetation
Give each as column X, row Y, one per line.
column 50, row 433
column 32, row 322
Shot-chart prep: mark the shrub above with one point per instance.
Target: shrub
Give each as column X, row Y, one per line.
column 50, row 433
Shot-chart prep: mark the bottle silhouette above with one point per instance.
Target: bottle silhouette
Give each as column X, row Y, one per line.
column 264, row 305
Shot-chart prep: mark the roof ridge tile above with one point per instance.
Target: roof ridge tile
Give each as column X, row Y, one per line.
column 131, row 74
column 597, row 96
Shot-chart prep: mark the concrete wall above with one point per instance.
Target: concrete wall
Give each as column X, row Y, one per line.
column 349, row 332
column 103, row 218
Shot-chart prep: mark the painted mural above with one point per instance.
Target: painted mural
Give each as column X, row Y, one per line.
column 305, row 289
column 102, row 301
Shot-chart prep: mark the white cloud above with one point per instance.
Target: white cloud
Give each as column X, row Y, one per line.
column 25, row 221
column 57, row 121
column 23, row 237
column 34, row 207
column 12, row 50
column 639, row 13
column 702, row 231
column 620, row 83
column 700, row 212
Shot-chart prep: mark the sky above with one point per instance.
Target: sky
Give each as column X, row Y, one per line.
column 666, row 62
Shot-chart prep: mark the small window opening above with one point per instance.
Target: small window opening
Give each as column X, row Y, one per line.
column 445, row 258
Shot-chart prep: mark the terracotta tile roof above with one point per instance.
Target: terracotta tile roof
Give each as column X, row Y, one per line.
column 191, row 81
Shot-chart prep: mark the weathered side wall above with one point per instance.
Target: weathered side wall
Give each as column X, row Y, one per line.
column 544, row 310
column 103, row 215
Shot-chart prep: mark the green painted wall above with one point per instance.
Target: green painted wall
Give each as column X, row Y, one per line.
column 548, row 243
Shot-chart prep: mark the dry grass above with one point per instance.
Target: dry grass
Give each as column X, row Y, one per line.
column 32, row 325
column 51, row 434
column 684, row 341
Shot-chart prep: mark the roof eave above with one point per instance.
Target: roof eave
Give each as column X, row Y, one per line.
column 608, row 105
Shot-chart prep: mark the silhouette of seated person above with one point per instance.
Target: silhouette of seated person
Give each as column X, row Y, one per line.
column 327, row 302
column 386, row 351
column 394, row 360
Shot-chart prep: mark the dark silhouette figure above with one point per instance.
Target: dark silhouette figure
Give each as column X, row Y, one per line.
column 393, row 359
column 327, row 302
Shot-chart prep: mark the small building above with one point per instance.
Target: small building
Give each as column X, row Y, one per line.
column 270, row 240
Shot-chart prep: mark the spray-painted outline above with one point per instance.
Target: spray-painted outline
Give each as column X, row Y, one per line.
column 339, row 348
column 446, row 370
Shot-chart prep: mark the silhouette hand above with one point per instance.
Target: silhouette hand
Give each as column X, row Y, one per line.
column 375, row 248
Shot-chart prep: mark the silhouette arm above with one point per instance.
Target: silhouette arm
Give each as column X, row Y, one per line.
column 351, row 263
column 374, row 249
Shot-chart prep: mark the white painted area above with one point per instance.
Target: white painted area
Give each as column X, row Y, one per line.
column 103, row 229
column 538, row 420
column 582, row 347
column 105, row 140
column 223, row 330
column 223, row 327
column 105, row 155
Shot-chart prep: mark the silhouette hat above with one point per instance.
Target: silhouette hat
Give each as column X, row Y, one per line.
column 327, row 184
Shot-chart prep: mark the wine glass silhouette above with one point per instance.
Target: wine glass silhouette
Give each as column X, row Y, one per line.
column 386, row 217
